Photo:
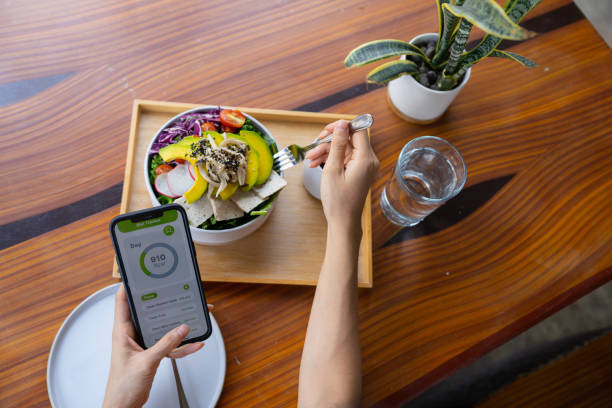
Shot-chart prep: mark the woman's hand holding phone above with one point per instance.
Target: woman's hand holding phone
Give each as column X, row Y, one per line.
column 132, row 368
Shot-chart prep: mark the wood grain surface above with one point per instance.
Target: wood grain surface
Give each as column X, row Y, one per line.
column 583, row 378
column 440, row 300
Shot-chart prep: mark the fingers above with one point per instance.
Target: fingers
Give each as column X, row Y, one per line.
column 324, row 133
column 348, row 153
column 317, row 162
column 169, row 342
column 329, row 129
column 323, row 148
column 340, row 140
column 210, row 307
column 319, row 152
column 186, row 350
column 123, row 321
column 122, row 311
column 364, row 153
column 361, row 142
column 133, row 345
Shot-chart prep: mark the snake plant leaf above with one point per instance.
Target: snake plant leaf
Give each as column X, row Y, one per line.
column 448, row 29
column 526, row 62
column 380, row 49
column 457, row 47
column 508, row 5
column 439, row 3
column 517, row 10
column 391, row 70
column 491, row 18
column 447, row 82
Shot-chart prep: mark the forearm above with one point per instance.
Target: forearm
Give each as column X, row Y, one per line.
column 330, row 371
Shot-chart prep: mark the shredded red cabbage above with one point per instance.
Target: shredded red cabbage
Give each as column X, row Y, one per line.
column 186, row 125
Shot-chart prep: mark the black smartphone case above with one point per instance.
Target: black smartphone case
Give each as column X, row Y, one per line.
column 155, row 212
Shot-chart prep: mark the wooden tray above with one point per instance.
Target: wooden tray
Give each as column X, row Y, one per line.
column 289, row 247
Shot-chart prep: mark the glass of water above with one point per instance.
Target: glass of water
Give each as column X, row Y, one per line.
column 429, row 172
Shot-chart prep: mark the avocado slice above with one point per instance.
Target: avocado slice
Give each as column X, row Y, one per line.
column 228, row 191
column 174, row 151
column 188, row 141
column 252, row 163
column 258, row 144
column 252, row 169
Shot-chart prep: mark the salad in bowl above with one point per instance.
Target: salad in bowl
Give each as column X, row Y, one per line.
column 217, row 164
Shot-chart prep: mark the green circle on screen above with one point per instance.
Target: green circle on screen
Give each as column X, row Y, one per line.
column 158, row 260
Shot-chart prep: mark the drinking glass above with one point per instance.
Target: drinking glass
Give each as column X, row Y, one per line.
column 429, row 172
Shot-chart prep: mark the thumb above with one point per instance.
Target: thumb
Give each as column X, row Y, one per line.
column 361, row 142
column 339, row 142
column 169, row 342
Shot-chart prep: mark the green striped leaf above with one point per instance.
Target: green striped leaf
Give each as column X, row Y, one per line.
column 491, row 18
column 379, row 50
column 447, row 32
column 391, row 70
column 440, row 16
column 447, row 82
column 483, row 49
column 458, row 46
column 518, row 58
column 518, row 9
column 508, row 5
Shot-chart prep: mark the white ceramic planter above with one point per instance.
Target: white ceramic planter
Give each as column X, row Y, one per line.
column 212, row 237
column 417, row 103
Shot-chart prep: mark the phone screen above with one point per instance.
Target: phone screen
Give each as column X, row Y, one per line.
column 157, row 262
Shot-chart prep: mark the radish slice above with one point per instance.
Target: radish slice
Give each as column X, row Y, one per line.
column 161, row 185
column 179, row 180
column 191, row 171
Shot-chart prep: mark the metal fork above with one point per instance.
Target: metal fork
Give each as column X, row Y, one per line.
column 179, row 387
column 293, row 154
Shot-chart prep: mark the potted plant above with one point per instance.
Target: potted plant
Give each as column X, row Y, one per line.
column 434, row 67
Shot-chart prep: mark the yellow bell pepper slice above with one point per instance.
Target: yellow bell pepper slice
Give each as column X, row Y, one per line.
column 199, row 185
column 173, row 152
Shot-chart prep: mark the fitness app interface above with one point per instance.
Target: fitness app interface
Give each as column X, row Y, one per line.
column 161, row 276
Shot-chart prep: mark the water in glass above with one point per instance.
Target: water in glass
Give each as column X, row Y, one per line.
column 425, row 177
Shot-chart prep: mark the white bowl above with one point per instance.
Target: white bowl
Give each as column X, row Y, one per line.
column 212, row 237
column 311, row 178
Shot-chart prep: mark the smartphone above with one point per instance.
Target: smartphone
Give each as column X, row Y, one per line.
column 157, row 262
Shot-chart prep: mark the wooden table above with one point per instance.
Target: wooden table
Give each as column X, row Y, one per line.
column 530, row 233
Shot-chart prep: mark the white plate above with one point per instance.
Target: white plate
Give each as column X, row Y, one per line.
column 79, row 361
